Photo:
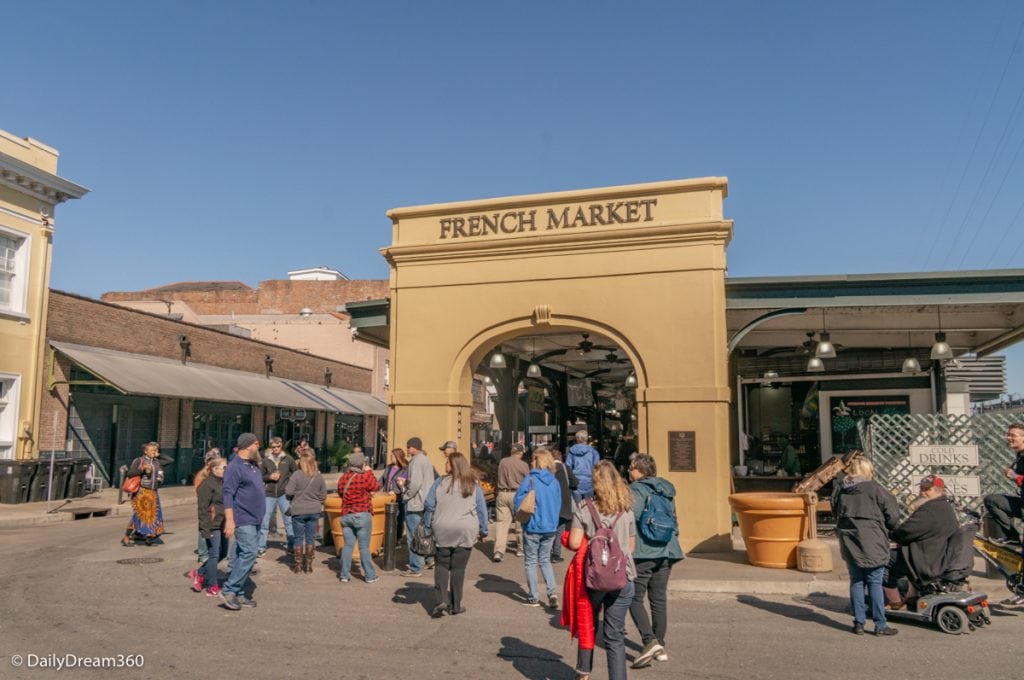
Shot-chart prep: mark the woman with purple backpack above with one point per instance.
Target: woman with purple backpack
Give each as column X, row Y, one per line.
column 608, row 523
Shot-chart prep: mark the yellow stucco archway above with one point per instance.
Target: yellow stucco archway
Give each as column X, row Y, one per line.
column 643, row 265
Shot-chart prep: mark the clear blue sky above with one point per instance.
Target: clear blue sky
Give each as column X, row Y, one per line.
column 237, row 140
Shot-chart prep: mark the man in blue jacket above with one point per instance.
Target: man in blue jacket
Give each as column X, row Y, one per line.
column 539, row 531
column 654, row 559
column 581, row 459
column 244, row 505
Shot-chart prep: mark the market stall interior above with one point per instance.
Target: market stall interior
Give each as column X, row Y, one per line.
column 813, row 358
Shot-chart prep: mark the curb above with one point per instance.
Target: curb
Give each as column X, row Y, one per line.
column 704, row 586
column 58, row 517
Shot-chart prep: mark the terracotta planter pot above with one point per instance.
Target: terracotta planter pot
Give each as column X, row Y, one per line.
column 772, row 524
column 332, row 506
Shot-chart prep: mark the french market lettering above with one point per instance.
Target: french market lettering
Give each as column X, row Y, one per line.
column 519, row 221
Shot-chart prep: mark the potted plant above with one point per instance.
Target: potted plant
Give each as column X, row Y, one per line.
column 338, row 456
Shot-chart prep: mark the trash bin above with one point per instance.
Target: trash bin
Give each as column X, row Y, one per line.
column 76, row 479
column 15, row 479
column 41, row 483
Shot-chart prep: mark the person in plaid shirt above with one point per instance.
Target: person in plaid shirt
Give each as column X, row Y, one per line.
column 356, row 489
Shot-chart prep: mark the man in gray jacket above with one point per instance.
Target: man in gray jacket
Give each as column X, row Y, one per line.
column 421, row 477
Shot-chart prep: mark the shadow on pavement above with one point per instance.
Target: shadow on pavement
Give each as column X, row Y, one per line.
column 533, row 662
column 492, row 583
column 831, row 603
column 416, row 593
column 791, row 611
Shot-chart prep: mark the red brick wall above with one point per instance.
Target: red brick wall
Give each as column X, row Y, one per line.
column 272, row 297
column 54, row 402
column 89, row 322
column 171, row 420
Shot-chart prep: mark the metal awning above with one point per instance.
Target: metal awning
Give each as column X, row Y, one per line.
column 157, row 376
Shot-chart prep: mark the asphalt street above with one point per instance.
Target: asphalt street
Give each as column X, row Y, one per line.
column 71, row 589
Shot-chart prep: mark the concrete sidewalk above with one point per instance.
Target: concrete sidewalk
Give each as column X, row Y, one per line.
column 726, row 572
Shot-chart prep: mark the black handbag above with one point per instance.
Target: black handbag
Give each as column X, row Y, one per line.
column 423, row 543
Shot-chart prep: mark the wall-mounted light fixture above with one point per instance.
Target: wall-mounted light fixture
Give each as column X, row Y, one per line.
column 305, row 312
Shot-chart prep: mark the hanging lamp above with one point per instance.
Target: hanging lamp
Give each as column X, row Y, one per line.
column 631, row 380
column 825, row 349
column 910, row 364
column 533, row 371
column 815, row 365
column 498, row 360
column 941, row 349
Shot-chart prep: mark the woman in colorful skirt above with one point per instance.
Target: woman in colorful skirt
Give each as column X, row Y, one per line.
column 147, row 519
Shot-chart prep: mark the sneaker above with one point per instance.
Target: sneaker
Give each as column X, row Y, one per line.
column 197, row 580
column 531, row 603
column 213, row 591
column 261, row 553
column 439, row 611
column 661, row 657
column 858, row 629
column 372, row 580
column 429, row 564
column 887, row 631
column 556, row 560
column 1007, row 542
column 553, row 602
column 344, row 579
column 519, row 553
column 1015, row 601
column 409, row 573
column 230, row 601
column 647, row 654
column 498, row 557
column 246, row 601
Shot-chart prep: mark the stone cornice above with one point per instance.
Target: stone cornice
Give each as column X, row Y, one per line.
column 40, row 184
column 658, row 234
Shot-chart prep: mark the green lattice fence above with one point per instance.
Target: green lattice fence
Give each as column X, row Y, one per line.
column 888, row 437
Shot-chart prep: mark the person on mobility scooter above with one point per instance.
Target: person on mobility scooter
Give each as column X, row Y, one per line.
column 935, row 558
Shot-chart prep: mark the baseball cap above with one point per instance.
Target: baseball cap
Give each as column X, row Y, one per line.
column 932, row 481
column 448, row 445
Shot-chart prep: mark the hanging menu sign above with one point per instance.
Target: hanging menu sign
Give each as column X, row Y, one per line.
column 682, row 451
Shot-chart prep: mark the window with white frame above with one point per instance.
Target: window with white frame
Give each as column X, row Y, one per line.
column 13, row 271
column 8, row 414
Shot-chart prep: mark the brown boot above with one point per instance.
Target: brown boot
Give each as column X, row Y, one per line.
column 310, row 554
column 298, row 557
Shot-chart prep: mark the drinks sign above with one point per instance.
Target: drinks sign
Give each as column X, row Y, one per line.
column 942, row 454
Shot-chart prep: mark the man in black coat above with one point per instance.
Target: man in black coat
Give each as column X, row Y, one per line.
column 927, row 538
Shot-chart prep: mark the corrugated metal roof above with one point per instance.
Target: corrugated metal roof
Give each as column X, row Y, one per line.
column 158, row 376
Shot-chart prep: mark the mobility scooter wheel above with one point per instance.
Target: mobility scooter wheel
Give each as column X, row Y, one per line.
column 952, row 620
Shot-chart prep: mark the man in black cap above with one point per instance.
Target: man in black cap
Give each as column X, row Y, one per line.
column 244, row 505
column 421, row 477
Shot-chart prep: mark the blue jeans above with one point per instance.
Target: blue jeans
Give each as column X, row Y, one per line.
column 539, row 545
column 243, row 556
column 615, row 604
column 305, row 528
column 201, row 550
column 216, row 548
column 356, row 527
column 272, row 503
column 860, row 576
column 412, row 520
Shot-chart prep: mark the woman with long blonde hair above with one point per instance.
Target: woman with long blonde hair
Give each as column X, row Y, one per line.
column 539, row 530
column 210, row 504
column 306, row 492
column 611, row 507
column 865, row 515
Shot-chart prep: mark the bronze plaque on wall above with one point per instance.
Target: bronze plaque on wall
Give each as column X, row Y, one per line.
column 682, row 451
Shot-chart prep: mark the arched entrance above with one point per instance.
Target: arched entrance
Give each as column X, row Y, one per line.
column 640, row 266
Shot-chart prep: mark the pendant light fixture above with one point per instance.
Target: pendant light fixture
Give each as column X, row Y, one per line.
column 631, row 380
column 824, row 350
column 498, row 359
column 910, row 364
column 533, row 371
column 941, row 349
column 815, row 365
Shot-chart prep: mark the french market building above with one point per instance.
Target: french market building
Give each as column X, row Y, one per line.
column 609, row 309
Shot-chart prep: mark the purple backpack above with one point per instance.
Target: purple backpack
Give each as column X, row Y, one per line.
column 605, row 565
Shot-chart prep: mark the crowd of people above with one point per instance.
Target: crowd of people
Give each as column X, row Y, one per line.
column 624, row 532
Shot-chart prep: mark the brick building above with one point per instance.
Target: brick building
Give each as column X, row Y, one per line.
column 117, row 378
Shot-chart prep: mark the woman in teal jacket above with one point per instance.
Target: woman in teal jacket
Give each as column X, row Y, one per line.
column 539, row 531
column 654, row 560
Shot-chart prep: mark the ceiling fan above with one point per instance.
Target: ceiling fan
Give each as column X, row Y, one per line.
column 585, row 346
